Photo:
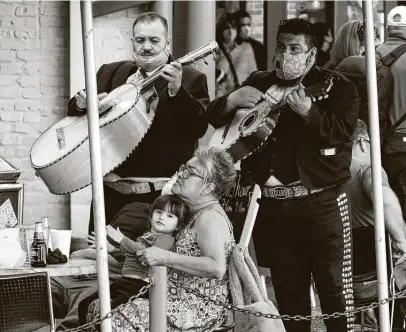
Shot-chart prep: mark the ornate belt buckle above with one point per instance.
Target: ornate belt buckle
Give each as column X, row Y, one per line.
column 279, row 192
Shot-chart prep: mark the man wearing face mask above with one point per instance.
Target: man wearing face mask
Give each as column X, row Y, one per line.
column 243, row 21
column 303, row 225
column 179, row 121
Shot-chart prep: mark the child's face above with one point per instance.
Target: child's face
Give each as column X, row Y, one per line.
column 163, row 221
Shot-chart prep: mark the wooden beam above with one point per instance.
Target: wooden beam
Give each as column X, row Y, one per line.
column 101, row 8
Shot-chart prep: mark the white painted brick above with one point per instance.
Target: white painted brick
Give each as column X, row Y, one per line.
column 12, row 44
column 54, row 9
column 24, row 128
column 6, row 152
column 6, row 127
column 27, row 105
column 52, row 71
column 10, row 92
column 31, row 93
column 53, row 42
column 10, row 139
column 12, row 22
column 11, row 116
column 135, row 11
column 24, row 33
column 6, row 33
column 7, row 80
column 7, row 56
column 52, row 91
column 28, row 55
column 7, row 105
column 54, row 81
column 26, row 81
column 26, row 10
column 6, row 9
column 114, row 43
column 9, row 68
column 28, row 139
column 31, row 68
column 32, row 117
column 32, row 22
column 24, row 151
column 53, row 21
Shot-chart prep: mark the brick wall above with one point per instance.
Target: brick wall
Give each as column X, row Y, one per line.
column 112, row 35
column 256, row 10
column 34, row 78
column 34, row 85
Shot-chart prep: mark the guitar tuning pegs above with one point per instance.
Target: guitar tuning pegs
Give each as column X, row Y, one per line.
column 205, row 61
column 214, row 55
column 325, row 96
column 320, row 98
column 194, row 64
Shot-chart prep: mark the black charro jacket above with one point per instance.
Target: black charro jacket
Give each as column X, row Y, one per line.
column 329, row 126
column 178, row 123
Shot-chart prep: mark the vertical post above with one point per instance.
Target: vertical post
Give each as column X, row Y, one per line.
column 165, row 8
column 157, row 299
column 380, row 246
column 95, row 160
column 275, row 11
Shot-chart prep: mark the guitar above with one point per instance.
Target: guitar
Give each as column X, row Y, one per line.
column 60, row 156
column 250, row 128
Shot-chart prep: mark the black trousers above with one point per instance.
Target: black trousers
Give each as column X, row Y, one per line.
column 297, row 238
column 120, row 292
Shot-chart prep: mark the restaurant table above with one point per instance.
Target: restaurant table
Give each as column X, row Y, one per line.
column 75, row 266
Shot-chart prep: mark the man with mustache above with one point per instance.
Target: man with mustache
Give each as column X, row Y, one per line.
column 303, row 225
column 179, row 121
column 179, row 116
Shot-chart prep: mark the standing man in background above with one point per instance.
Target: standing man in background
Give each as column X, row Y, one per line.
column 243, row 21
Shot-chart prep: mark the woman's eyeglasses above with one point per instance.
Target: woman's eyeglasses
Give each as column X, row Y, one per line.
column 184, row 172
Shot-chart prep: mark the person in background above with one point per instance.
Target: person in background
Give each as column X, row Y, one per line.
column 301, row 167
column 243, row 21
column 360, row 192
column 179, row 120
column 347, row 58
column 394, row 149
column 324, row 40
column 237, row 62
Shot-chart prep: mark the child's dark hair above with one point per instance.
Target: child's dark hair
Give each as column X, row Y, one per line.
column 175, row 205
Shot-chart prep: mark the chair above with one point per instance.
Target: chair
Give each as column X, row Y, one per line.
column 364, row 271
column 245, row 237
column 25, row 302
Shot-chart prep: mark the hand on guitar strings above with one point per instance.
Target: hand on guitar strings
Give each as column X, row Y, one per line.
column 81, row 102
column 173, row 74
column 245, row 97
column 299, row 102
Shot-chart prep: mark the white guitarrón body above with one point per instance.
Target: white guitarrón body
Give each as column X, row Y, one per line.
column 56, row 162
column 60, row 156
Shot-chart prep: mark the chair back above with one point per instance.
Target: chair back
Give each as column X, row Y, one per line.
column 25, row 302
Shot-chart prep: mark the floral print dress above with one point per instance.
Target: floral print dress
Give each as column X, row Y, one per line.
column 185, row 311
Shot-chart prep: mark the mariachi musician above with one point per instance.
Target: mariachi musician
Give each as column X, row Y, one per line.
column 303, row 225
column 179, row 122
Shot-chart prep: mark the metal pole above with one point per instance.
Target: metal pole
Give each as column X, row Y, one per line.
column 157, row 299
column 380, row 246
column 95, row 160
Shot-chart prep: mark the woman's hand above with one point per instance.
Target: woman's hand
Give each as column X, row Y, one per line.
column 153, row 256
column 114, row 234
column 91, row 241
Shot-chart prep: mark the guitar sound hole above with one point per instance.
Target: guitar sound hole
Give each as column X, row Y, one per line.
column 248, row 121
column 106, row 110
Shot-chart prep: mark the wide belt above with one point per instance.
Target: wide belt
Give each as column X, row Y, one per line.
column 290, row 192
column 143, row 187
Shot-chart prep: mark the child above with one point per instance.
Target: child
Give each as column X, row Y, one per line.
column 168, row 216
